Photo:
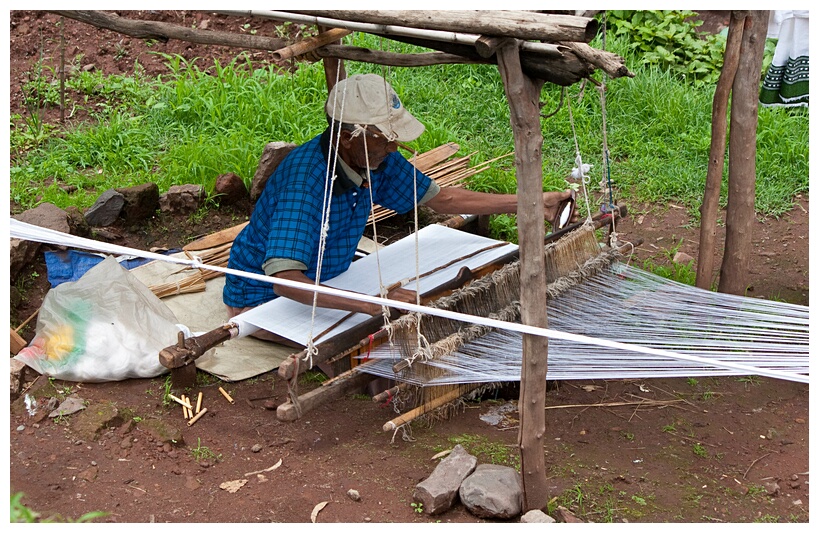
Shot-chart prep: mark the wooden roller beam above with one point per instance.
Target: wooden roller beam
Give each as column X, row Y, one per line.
column 343, row 384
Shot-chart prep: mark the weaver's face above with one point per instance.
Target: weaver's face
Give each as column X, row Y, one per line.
column 354, row 152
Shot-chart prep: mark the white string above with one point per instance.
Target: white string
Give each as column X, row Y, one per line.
column 712, row 334
column 580, row 170
column 605, row 185
column 362, row 130
column 30, row 232
column 329, row 181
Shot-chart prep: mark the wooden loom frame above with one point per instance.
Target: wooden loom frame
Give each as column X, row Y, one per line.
column 500, row 37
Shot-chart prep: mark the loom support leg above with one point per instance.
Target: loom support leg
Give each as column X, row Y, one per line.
column 343, row 384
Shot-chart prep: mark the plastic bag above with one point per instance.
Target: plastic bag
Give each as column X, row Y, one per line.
column 106, row 326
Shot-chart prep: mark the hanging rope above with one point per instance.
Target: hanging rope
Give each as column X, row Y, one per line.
column 329, row 181
column 605, row 182
column 581, row 169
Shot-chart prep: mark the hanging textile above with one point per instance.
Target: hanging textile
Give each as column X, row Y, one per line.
column 787, row 81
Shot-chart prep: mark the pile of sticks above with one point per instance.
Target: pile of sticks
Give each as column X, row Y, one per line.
column 217, row 255
column 446, row 172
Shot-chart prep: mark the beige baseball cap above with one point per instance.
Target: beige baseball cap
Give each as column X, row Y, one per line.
column 367, row 99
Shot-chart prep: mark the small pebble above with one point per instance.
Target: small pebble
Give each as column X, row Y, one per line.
column 21, row 428
column 256, row 448
column 354, row 495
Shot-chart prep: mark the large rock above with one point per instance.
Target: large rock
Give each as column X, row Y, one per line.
column 90, row 423
column 21, row 252
column 493, row 491
column 106, row 209
column 77, row 223
column 230, row 189
column 182, row 199
column 272, row 155
column 141, row 202
column 439, row 492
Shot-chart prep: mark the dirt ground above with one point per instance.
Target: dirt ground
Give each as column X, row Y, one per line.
column 708, row 450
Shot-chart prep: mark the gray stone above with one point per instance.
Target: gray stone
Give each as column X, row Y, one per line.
column 439, row 492
column 90, row 423
column 182, row 199
column 272, row 155
column 536, row 516
column 492, row 491
column 106, row 209
column 141, row 202
column 567, row 517
column 683, row 258
column 772, row 488
column 69, row 406
column 354, row 495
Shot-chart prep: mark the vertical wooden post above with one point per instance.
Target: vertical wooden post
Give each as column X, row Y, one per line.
column 742, row 157
column 716, row 161
column 333, row 67
column 523, row 95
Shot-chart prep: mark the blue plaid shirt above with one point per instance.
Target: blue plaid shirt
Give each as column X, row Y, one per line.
column 286, row 221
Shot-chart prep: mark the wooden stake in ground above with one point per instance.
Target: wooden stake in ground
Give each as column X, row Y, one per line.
column 740, row 215
column 523, row 94
column 716, row 161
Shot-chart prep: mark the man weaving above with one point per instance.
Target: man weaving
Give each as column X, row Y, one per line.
column 282, row 239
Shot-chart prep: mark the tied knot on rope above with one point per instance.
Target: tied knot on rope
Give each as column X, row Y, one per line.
column 581, row 169
column 362, row 130
column 310, row 351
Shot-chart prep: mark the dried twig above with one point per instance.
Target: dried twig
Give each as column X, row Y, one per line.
column 753, row 463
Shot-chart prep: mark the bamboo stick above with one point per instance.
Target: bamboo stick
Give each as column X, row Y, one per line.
column 179, row 400
column 199, row 415
column 409, row 416
column 226, row 395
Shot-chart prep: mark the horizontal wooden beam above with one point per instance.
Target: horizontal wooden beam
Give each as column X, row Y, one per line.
column 392, row 59
column 518, row 24
column 163, row 31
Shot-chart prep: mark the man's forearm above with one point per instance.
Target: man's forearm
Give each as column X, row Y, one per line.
column 323, row 300
column 456, row 201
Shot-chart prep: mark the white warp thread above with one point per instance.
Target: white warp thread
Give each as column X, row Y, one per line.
column 22, row 230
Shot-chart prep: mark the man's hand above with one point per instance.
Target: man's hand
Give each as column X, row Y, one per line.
column 402, row 295
column 552, row 202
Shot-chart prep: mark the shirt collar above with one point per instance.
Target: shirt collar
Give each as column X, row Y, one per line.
column 346, row 177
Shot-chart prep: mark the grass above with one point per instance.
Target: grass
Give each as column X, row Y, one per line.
column 20, row 513
column 203, row 453
column 487, row 451
column 203, row 120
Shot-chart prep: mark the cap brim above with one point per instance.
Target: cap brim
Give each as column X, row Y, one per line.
column 404, row 127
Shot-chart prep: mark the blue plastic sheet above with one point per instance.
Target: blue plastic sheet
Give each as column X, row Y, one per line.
column 70, row 265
